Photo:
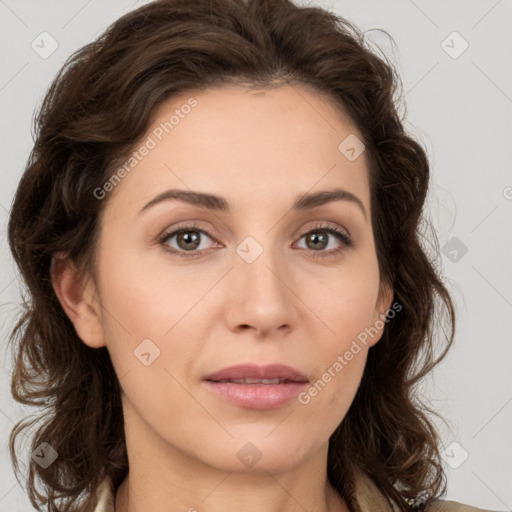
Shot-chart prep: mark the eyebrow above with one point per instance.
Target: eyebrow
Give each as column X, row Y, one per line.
column 213, row 202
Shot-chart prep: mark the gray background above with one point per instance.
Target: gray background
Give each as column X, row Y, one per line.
column 458, row 104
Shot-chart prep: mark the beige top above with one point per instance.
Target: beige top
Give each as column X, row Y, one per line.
column 368, row 498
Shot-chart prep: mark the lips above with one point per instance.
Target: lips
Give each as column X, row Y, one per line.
column 257, row 387
column 272, row 374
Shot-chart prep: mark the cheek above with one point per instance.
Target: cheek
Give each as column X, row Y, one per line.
column 345, row 308
column 147, row 312
column 148, row 321
column 346, row 304
column 148, row 299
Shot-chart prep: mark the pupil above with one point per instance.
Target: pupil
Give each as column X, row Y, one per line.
column 192, row 240
column 313, row 237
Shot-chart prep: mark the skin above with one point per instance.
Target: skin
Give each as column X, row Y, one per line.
column 260, row 150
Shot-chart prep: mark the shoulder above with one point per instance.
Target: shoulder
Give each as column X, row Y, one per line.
column 453, row 506
column 368, row 498
column 105, row 496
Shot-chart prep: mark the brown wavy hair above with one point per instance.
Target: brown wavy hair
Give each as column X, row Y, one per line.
column 97, row 108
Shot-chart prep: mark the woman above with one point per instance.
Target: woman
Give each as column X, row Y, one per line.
column 230, row 304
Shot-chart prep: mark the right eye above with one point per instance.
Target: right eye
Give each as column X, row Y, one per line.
column 188, row 239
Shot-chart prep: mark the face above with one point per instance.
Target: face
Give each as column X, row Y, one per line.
column 266, row 277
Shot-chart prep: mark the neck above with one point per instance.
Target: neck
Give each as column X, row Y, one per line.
column 164, row 477
column 266, row 494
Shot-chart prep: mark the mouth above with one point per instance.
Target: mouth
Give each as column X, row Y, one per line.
column 267, row 382
column 253, row 374
column 257, row 387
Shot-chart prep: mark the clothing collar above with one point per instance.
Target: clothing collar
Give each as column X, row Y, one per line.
column 367, row 497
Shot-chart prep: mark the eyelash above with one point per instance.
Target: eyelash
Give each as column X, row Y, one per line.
column 342, row 236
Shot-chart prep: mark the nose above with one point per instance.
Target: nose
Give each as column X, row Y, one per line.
column 261, row 296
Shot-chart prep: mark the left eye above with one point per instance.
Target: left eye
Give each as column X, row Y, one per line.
column 320, row 238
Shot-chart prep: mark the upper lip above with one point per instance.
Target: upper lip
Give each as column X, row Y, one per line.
column 253, row 371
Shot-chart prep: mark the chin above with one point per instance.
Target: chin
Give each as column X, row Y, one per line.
column 258, row 454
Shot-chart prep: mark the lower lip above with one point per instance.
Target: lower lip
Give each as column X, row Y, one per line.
column 257, row 396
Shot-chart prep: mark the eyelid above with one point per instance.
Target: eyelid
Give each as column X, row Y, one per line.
column 325, row 226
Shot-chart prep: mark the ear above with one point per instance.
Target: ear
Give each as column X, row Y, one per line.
column 382, row 306
column 79, row 300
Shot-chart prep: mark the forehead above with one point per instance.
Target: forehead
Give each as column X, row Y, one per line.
column 245, row 142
